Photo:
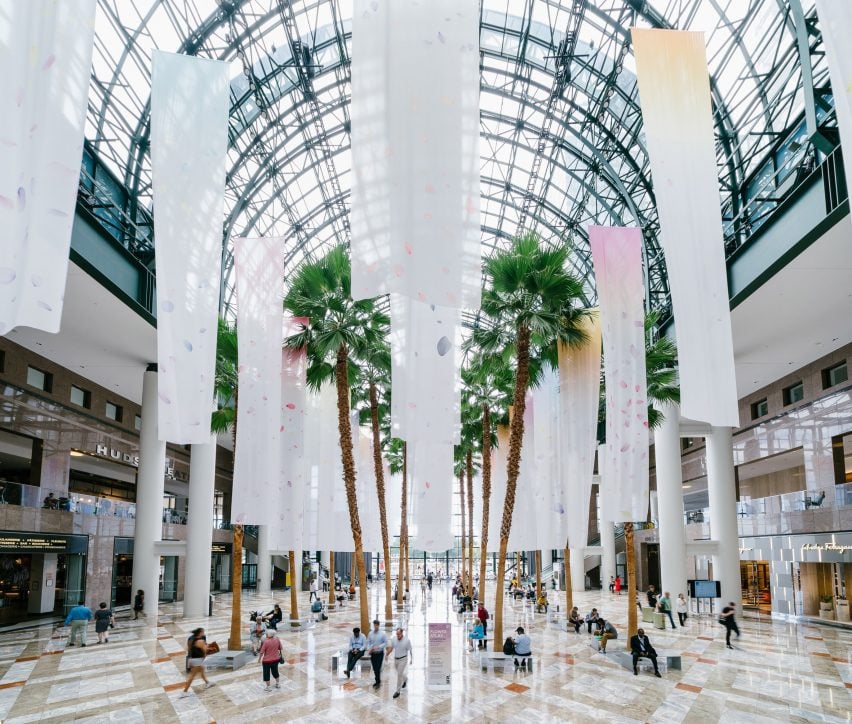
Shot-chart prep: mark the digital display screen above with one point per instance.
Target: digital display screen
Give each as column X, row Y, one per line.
column 13, row 542
column 706, row 589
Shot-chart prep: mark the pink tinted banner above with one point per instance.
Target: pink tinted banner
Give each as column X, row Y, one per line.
column 617, row 257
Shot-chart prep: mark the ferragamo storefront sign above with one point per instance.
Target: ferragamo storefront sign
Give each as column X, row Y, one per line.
column 833, row 547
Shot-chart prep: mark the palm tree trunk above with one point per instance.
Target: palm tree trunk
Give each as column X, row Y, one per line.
column 516, row 439
column 404, row 526
column 345, row 433
column 518, row 570
column 235, row 642
column 631, row 582
column 294, row 593
column 403, row 530
column 537, row 575
column 332, row 601
column 380, row 492
column 463, row 524
column 354, row 577
column 569, row 596
column 469, row 467
column 486, row 497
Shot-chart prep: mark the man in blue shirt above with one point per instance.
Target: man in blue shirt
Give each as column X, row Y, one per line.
column 523, row 646
column 78, row 618
column 376, row 643
column 357, row 647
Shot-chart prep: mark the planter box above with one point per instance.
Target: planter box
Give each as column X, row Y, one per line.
column 827, row 615
column 842, row 608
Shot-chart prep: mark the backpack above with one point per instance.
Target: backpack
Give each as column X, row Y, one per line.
column 316, row 607
column 509, row 647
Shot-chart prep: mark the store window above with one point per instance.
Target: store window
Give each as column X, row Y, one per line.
column 759, row 408
column 137, row 422
column 113, row 411
column 794, row 393
column 2, row 360
column 39, row 379
column 81, row 397
column 834, row 375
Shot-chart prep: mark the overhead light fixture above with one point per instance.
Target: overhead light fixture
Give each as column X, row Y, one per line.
column 687, row 487
column 76, row 454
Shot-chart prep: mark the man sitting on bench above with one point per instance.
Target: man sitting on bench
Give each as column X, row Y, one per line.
column 357, row 647
column 523, row 647
column 641, row 647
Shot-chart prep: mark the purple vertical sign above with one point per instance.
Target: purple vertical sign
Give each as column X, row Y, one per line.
column 440, row 655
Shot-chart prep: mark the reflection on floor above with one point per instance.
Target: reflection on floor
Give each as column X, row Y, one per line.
column 777, row 672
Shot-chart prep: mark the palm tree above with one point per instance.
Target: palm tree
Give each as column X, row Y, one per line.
column 338, row 328
column 531, row 301
column 459, row 470
column 398, row 463
column 224, row 418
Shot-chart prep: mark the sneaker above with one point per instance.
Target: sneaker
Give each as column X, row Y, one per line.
column 277, row 685
column 346, row 674
column 267, row 688
column 106, row 641
column 209, row 685
column 183, row 695
column 376, row 685
column 83, row 645
column 658, row 675
column 396, row 695
column 635, row 671
column 404, row 684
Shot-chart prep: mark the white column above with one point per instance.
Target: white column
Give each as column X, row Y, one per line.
column 608, row 554
column 199, row 528
column 670, row 503
column 721, row 490
column 149, row 499
column 264, row 560
column 578, row 569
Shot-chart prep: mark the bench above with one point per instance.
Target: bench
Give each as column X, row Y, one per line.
column 497, row 660
column 298, row 624
column 474, row 643
column 339, row 656
column 665, row 660
column 228, row 660
column 648, row 614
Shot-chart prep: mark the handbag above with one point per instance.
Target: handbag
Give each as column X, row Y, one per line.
column 280, row 653
column 212, row 648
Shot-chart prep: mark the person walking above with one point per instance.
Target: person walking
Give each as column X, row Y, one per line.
column 429, row 580
column 376, row 643
column 78, row 618
column 727, row 619
column 652, row 597
column 271, row 654
column 640, row 647
column 314, row 594
column 616, row 585
column 197, row 647
column 664, row 604
column 138, row 603
column 357, row 647
column 612, row 584
column 682, row 609
column 401, row 647
column 103, row 620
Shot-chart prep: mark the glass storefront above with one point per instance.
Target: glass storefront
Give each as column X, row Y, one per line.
column 754, row 580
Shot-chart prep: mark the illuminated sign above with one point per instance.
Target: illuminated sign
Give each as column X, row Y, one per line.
column 220, row 548
column 831, row 547
column 14, row 542
column 105, row 451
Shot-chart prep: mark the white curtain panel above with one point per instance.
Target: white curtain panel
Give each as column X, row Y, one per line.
column 835, row 21
column 674, row 92
column 415, row 150
column 579, row 392
column 259, row 272
column 432, row 489
column 368, row 499
column 311, row 524
column 499, row 460
column 393, row 501
column 617, row 257
column 45, row 64
column 189, row 140
column 549, row 522
column 425, row 360
column 530, row 493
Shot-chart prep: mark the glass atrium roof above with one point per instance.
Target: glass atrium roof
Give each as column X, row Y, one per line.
column 562, row 143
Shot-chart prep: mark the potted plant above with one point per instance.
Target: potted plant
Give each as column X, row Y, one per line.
column 826, row 607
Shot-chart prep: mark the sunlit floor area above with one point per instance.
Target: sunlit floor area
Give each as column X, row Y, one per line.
column 776, row 672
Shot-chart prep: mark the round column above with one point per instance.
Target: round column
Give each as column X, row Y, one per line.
column 149, row 499
column 199, row 528
column 607, row 552
column 721, row 489
column 264, row 560
column 670, row 503
column 578, row 569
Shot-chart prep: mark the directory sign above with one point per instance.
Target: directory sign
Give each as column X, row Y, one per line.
column 706, row 589
column 439, row 656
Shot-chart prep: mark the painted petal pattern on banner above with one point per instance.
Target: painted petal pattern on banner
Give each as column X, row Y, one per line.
column 579, row 394
column 415, row 150
column 45, row 65
column 674, row 91
column 259, row 269
column 617, row 257
column 189, row 140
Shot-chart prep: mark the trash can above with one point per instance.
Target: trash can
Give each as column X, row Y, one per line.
column 210, row 605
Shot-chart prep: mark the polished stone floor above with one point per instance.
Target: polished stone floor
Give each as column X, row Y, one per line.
column 777, row 672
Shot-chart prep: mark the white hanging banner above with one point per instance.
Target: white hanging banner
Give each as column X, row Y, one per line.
column 530, row 491
column 549, row 518
column 368, row 501
column 579, row 395
column 835, row 22
column 293, row 478
column 415, row 150
column 431, row 467
column 499, row 461
column 259, row 272
column 45, row 64
column 617, row 257
column 674, row 92
column 425, row 345
column 189, row 141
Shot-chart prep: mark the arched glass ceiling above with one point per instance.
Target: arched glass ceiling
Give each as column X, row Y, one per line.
column 562, row 142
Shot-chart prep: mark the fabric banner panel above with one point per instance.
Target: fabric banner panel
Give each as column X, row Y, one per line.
column 579, row 393
column 259, row 272
column 415, row 150
column 529, row 494
column 189, row 140
column 617, row 258
column 45, row 65
column 549, row 512
column 432, row 491
column 425, row 345
column 368, row 501
column 674, row 93
column 835, row 22
column 499, row 462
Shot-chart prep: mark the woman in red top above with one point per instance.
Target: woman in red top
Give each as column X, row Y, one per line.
column 618, row 585
column 271, row 653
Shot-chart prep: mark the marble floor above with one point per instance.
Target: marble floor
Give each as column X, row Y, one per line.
column 777, row 672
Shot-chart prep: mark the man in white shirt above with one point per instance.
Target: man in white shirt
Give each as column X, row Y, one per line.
column 401, row 647
column 376, row 643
